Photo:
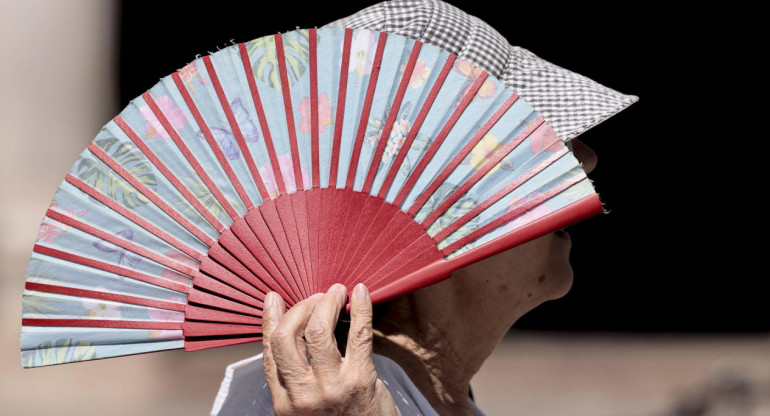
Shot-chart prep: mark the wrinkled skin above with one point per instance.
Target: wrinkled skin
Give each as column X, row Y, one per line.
column 440, row 335
column 304, row 368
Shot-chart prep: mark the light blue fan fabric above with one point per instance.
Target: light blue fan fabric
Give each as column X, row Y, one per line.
column 52, row 345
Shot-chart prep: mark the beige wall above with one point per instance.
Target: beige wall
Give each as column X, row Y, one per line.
column 57, row 90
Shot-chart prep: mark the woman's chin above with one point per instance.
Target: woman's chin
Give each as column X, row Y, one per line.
column 561, row 282
column 558, row 278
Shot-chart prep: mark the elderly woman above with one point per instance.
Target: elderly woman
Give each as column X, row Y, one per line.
column 417, row 354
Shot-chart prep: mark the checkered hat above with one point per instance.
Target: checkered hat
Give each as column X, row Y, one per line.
column 570, row 102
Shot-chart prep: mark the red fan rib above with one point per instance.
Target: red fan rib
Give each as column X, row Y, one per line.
column 355, row 202
column 367, row 213
column 168, row 174
column 262, row 119
column 330, row 204
column 245, row 235
column 455, row 162
column 197, row 314
column 203, row 298
column 428, row 156
column 114, row 297
column 224, row 258
column 280, row 219
column 102, row 323
column 288, row 111
column 367, row 107
column 339, row 214
column 313, row 63
column 400, row 245
column 513, row 214
column 494, row 160
column 110, row 268
column 133, row 217
column 230, row 242
column 297, row 217
column 355, row 206
column 212, row 187
column 394, row 107
column 232, row 278
column 478, row 209
column 197, row 345
column 120, row 242
column 299, row 206
column 231, row 176
column 206, row 282
column 314, row 214
column 259, row 227
column 269, row 213
column 427, row 105
column 225, row 105
column 149, row 194
column 366, row 244
column 205, row 329
column 311, row 207
column 341, row 95
column 420, row 253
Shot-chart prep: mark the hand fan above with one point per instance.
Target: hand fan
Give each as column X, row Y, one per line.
column 287, row 164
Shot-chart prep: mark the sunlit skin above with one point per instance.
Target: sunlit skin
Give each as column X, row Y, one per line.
column 440, row 335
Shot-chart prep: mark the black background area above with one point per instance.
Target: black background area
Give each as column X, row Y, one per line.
column 680, row 249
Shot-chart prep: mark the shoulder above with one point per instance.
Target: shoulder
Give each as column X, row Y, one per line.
column 244, row 389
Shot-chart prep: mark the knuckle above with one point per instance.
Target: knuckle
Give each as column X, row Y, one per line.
column 365, row 379
column 362, row 335
column 279, row 338
column 360, row 375
column 292, row 373
column 304, row 404
column 316, row 334
column 315, row 330
column 334, row 396
column 361, row 379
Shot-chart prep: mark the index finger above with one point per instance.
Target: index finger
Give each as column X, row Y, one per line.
column 271, row 315
column 319, row 333
column 284, row 338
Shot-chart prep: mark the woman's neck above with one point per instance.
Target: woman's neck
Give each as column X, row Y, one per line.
column 424, row 335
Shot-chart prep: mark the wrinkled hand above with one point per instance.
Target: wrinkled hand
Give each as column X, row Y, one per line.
column 328, row 384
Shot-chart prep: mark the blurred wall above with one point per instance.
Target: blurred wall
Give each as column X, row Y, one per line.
column 58, row 89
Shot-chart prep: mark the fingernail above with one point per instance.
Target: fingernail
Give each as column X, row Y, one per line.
column 269, row 300
column 338, row 287
column 360, row 291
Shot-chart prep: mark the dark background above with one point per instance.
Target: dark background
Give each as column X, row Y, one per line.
column 680, row 248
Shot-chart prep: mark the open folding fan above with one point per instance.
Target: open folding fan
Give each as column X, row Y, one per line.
column 287, row 164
